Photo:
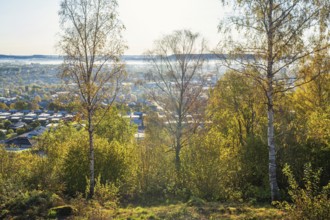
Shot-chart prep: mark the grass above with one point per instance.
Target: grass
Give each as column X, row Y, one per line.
column 186, row 211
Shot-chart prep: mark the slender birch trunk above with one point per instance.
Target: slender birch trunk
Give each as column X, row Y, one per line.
column 178, row 145
column 271, row 149
column 91, row 156
column 270, row 107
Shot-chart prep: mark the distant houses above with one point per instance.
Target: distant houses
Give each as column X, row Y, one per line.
column 8, row 101
column 17, row 125
column 47, row 120
column 26, row 140
column 27, row 116
column 20, row 142
column 24, row 121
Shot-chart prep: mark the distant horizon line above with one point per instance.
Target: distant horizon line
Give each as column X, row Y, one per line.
column 48, row 55
column 210, row 56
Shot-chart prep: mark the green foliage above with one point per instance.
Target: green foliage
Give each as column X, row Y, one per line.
column 106, row 194
column 52, row 214
column 33, row 105
column 28, row 205
column 56, row 106
column 3, row 106
column 236, row 111
column 200, row 210
column 155, row 173
column 75, row 164
column 310, row 201
column 20, row 131
column 65, row 103
column 154, row 159
column 6, row 124
column 20, row 105
column 2, row 135
column 110, row 164
column 10, row 133
column 236, row 107
column 196, row 201
column 91, row 209
column 61, row 211
column 304, row 124
column 319, row 125
column 34, row 124
column 66, row 166
column 234, row 145
column 227, row 173
column 210, row 178
column 17, row 172
column 9, row 189
column 114, row 127
column 252, row 174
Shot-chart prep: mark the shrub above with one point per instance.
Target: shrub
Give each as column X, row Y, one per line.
column 310, row 201
column 106, row 194
column 195, row 201
column 28, row 205
column 2, row 135
column 21, row 131
column 61, row 211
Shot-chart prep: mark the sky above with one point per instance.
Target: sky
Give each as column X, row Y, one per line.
column 30, row 27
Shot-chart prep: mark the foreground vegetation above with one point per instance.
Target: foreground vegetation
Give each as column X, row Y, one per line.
column 203, row 211
column 38, row 205
column 186, row 211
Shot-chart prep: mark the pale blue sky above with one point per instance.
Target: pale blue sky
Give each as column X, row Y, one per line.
column 30, row 26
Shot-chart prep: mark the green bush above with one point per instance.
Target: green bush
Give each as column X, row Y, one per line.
column 28, row 205
column 6, row 124
column 21, row 131
column 310, row 201
column 195, row 201
column 61, row 211
column 2, row 135
column 256, row 194
column 106, row 194
column 66, row 166
column 209, row 170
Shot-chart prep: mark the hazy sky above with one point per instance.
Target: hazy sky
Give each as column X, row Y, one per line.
column 30, row 26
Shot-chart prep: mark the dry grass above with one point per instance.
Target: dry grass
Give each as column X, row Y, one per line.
column 186, row 211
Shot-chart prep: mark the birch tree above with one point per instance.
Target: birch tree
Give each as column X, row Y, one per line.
column 176, row 71
column 273, row 37
column 91, row 43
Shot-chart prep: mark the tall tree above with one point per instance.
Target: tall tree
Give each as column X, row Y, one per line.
column 176, row 71
column 91, row 43
column 236, row 109
column 274, row 37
